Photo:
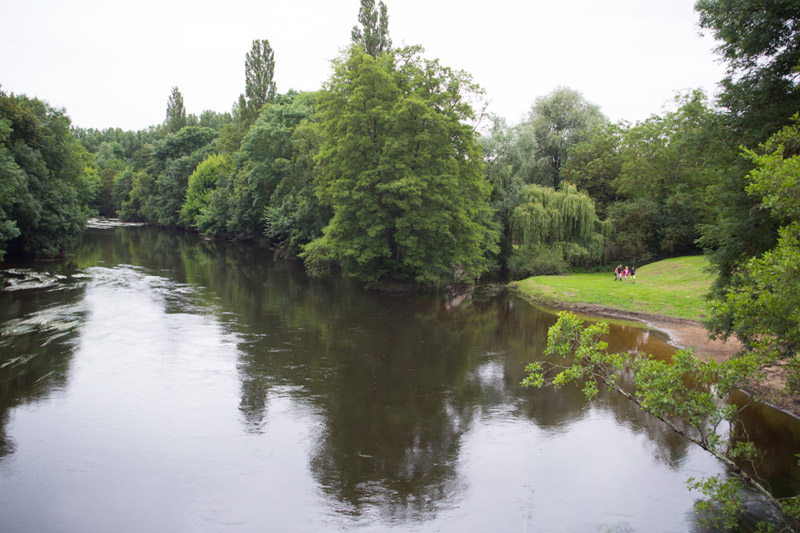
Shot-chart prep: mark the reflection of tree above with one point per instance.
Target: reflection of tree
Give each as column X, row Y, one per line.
column 396, row 380
column 670, row 448
column 38, row 328
column 389, row 374
column 777, row 437
column 386, row 374
column 524, row 339
column 396, row 408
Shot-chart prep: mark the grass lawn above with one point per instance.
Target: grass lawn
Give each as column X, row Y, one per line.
column 674, row 287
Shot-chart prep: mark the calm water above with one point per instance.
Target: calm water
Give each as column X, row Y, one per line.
column 160, row 382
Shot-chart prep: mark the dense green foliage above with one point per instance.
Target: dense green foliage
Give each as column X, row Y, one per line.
column 294, row 215
column 760, row 42
column 401, row 169
column 557, row 122
column 47, row 179
column 663, row 187
column 555, row 229
column 762, row 303
column 268, row 157
column 205, row 178
column 649, row 180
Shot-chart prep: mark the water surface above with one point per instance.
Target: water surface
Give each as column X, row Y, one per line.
column 156, row 381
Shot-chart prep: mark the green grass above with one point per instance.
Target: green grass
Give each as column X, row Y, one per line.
column 674, row 287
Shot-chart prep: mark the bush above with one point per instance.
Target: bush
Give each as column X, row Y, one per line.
column 536, row 260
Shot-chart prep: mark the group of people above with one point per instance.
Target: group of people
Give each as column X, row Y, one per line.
column 621, row 274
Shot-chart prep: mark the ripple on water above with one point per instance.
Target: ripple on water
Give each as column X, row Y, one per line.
column 51, row 323
column 16, row 279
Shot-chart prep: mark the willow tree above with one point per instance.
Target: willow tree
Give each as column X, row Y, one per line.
column 552, row 229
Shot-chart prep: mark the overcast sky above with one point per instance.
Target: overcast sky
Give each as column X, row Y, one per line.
column 113, row 63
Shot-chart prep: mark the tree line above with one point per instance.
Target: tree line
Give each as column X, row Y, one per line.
column 390, row 174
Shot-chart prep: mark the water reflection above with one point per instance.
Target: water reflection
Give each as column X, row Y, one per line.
column 777, row 436
column 411, row 404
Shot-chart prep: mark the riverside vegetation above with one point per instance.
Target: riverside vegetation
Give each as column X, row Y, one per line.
column 390, row 174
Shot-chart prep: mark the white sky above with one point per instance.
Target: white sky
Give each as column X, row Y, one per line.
column 112, row 63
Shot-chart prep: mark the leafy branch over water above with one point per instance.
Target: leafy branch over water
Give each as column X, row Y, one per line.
column 687, row 394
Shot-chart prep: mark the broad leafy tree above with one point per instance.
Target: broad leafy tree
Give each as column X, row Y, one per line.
column 634, row 235
column 263, row 162
column 265, row 159
column 594, row 163
column 671, row 160
column 498, row 153
column 401, row 169
column 158, row 191
column 556, row 122
column 13, row 189
column 294, row 216
column 762, row 304
column 205, row 179
column 175, row 159
column 47, row 178
column 760, row 42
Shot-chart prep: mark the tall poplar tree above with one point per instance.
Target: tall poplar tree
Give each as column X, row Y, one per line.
column 259, row 84
column 176, row 113
column 373, row 32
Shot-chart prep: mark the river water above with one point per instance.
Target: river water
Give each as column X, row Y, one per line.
column 155, row 381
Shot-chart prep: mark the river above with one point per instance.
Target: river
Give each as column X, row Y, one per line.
column 156, row 381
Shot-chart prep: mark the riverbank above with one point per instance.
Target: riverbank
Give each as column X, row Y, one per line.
column 676, row 288
column 673, row 288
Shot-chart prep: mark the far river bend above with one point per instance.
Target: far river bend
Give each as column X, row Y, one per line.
column 155, row 381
